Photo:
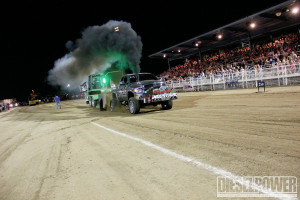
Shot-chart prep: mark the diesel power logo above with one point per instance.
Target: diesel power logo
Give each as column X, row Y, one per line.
column 257, row 186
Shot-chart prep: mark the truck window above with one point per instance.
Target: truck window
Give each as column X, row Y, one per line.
column 96, row 84
column 124, row 79
column 132, row 78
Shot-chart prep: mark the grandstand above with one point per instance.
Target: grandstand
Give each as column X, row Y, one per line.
column 260, row 47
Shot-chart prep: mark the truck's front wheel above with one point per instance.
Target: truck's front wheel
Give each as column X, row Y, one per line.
column 95, row 102
column 91, row 101
column 167, row 105
column 134, row 105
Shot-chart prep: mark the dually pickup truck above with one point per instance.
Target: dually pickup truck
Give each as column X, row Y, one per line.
column 142, row 89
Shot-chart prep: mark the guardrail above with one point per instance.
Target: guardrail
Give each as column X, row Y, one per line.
column 273, row 76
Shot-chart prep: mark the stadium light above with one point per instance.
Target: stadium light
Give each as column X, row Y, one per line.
column 178, row 50
column 197, row 43
column 220, row 36
column 295, row 10
column 164, row 55
column 116, row 29
column 252, row 25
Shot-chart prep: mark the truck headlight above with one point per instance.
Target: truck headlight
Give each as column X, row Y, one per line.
column 138, row 90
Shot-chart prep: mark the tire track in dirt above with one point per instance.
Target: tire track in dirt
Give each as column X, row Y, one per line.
column 53, row 168
column 194, row 135
column 20, row 141
column 210, row 148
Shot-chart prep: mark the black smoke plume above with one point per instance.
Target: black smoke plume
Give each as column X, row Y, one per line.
column 114, row 43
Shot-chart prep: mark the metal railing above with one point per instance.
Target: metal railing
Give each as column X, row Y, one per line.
column 273, row 76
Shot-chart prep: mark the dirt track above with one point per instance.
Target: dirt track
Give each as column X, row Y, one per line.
column 59, row 154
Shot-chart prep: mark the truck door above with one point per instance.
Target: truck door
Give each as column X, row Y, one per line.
column 121, row 94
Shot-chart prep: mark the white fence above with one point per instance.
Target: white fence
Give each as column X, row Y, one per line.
column 273, row 76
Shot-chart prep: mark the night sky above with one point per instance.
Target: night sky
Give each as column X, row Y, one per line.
column 33, row 36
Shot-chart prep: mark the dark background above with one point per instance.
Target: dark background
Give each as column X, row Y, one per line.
column 33, row 35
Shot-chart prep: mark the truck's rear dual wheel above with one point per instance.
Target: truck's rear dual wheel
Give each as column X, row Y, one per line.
column 134, row 105
column 167, row 105
column 101, row 106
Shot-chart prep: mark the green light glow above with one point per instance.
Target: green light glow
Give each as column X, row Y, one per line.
column 117, row 61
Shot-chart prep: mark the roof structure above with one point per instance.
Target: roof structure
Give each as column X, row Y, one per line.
column 273, row 19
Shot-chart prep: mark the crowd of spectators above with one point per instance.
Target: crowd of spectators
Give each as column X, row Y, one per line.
column 4, row 107
column 283, row 50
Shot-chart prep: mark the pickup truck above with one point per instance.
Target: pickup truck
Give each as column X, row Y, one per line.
column 142, row 89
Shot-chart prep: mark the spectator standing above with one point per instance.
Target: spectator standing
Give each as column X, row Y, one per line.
column 294, row 56
column 57, row 100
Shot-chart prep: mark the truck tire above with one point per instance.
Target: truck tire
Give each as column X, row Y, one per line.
column 134, row 106
column 95, row 103
column 101, row 106
column 167, row 105
column 91, row 101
